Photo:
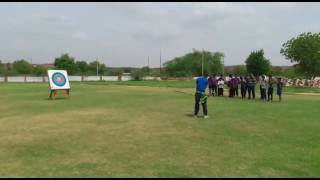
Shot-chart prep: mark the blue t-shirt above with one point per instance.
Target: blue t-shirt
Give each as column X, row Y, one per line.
column 202, row 83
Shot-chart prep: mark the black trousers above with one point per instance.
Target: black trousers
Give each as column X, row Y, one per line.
column 261, row 96
column 251, row 91
column 237, row 91
column 220, row 91
column 214, row 90
column 197, row 105
column 270, row 94
column 243, row 93
column 232, row 92
column 264, row 94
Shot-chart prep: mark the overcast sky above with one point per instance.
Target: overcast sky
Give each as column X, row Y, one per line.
column 125, row 34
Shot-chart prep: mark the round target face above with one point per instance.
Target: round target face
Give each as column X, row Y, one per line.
column 58, row 79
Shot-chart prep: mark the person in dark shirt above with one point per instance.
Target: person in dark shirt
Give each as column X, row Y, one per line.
column 214, row 85
column 261, row 91
column 237, row 80
column 270, row 88
column 210, row 85
column 279, row 88
column 243, row 87
column 200, row 96
column 231, row 85
column 251, row 86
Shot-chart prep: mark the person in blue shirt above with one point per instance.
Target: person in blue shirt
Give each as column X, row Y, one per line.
column 200, row 96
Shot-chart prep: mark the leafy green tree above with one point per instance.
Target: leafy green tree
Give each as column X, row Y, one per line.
column 66, row 62
column 102, row 69
column 257, row 64
column 2, row 69
column 82, row 67
column 39, row 71
column 215, row 64
column 92, row 67
column 127, row 70
column 22, row 67
column 146, row 70
column 276, row 71
column 240, row 70
column 292, row 73
column 305, row 51
column 191, row 64
column 138, row 74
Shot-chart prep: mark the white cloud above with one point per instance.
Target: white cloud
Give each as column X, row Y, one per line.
column 141, row 29
column 49, row 17
column 80, row 35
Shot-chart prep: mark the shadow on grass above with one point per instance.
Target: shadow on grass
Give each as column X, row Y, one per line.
column 57, row 98
column 189, row 115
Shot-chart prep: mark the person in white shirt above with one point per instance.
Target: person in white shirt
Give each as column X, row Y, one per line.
column 263, row 88
column 220, row 86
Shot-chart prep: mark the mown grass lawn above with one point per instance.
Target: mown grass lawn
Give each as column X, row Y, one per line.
column 144, row 129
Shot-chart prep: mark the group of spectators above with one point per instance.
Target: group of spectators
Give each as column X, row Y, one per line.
column 247, row 86
column 246, row 83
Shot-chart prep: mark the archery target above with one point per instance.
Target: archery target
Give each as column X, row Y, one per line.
column 58, row 79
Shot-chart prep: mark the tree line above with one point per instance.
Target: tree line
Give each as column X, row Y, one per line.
column 65, row 61
column 303, row 50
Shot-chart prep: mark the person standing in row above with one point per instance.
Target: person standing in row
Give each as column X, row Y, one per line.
column 210, row 85
column 279, row 88
column 260, row 79
column 263, row 88
column 230, row 85
column 214, row 85
column 237, row 85
column 220, row 86
column 243, row 87
column 250, row 80
column 270, row 88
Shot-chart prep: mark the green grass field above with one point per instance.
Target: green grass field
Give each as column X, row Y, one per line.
column 144, row 129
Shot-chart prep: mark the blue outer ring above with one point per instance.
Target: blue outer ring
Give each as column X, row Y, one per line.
column 54, row 77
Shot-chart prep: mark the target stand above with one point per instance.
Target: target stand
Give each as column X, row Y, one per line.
column 53, row 93
column 58, row 81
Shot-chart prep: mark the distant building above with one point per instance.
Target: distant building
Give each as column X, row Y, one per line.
column 126, row 74
column 47, row 66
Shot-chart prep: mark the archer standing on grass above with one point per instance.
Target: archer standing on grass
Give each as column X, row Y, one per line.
column 200, row 96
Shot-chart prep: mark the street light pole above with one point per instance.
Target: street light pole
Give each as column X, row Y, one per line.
column 160, row 62
column 223, row 65
column 202, row 61
column 97, row 67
